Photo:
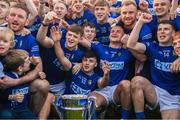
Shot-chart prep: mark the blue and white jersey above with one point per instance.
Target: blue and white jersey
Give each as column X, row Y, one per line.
column 87, row 16
column 35, row 26
column 28, row 43
column 24, row 88
column 81, row 83
column 117, row 4
column 102, row 32
column 161, row 59
column 52, row 67
column 119, row 59
column 145, row 34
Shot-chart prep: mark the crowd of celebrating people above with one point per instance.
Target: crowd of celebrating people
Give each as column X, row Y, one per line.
column 123, row 53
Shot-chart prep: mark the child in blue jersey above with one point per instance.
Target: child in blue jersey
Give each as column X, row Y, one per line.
column 164, row 85
column 6, row 43
column 86, row 80
column 101, row 11
column 16, row 64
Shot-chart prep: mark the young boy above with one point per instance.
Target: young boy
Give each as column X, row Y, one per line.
column 176, row 43
column 17, row 63
column 89, row 31
column 86, row 80
column 6, row 43
column 101, row 11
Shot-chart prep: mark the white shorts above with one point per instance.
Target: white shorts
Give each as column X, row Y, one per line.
column 165, row 100
column 58, row 88
column 107, row 92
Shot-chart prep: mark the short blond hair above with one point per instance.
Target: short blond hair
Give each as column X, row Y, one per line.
column 7, row 34
column 129, row 2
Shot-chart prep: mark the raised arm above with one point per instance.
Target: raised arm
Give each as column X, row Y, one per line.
column 134, row 36
column 85, row 43
column 7, row 82
column 103, row 82
column 32, row 9
column 42, row 32
column 174, row 6
column 42, row 9
column 124, row 40
column 56, row 36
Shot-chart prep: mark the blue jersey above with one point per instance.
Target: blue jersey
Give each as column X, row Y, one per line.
column 176, row 23
column 145, row 34
column 24, row 88
column 102, row 32
column 153, row 25
column 52, row 67
column 87, row 16
column 161, row 59
column 117, row 4
column 35, row 26
column 27, row 43
column 120, row 61
column 81, row 83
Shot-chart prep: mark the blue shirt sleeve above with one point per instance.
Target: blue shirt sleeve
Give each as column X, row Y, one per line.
column 97, row 47
column 149, row 47
column 145, row 34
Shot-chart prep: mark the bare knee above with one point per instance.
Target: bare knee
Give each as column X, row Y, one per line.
column 100, row 101
column 137, row 83
column 125, row 86
column 39, row 85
